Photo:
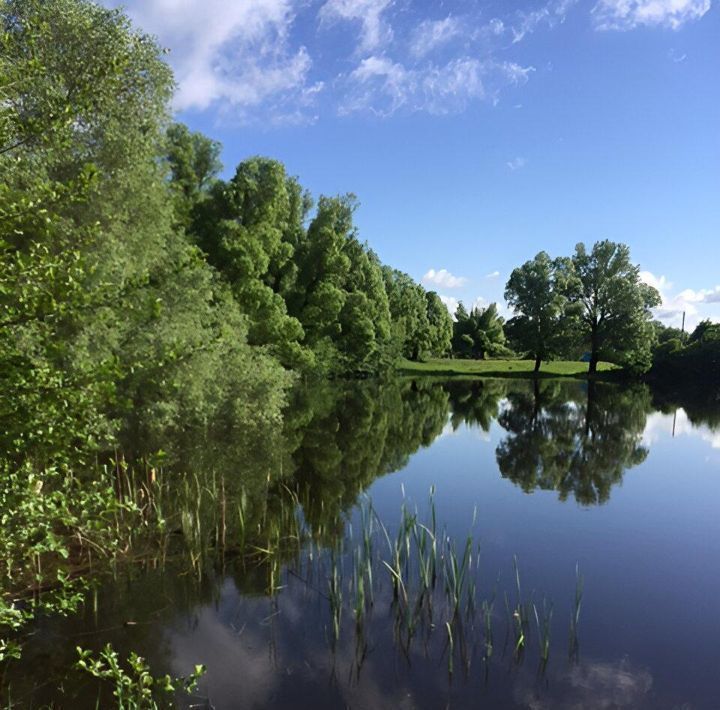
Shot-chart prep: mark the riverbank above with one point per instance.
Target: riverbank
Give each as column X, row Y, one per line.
column 500, row 368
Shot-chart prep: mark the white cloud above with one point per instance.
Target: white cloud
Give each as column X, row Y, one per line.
column 693, row 303
column 451, row 303
column 676, row 57
column 550, row 14
column 444, row 279
column 249, row 59
column 659, row 282
column 492, row 275
column 236, row 53
column 629, row 14
column 375, row 30
column 516, row 163
column 660, row 426
column 430, row 34
column 382, row 86
column 711, row 295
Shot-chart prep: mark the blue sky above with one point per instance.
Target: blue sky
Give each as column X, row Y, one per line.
column 476, row 134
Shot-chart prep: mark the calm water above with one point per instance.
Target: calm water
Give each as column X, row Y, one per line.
column 621, row 484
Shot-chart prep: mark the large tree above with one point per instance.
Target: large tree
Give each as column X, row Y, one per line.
column 535, row 294
column 478, row 333
column 612, row 305
column 440, row 324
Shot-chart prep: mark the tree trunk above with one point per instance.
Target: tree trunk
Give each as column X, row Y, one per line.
column 593, row 364
column 590, row 409
column 538, row 360
column 593, row 352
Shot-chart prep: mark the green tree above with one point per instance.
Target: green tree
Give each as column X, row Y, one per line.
column 440, row 324
column 612, row 305
column 704, row 332
column 479, row 333
column 338, row 293
column 194, row 162
column 409, row 311
column 533, row 291
column 247, row 228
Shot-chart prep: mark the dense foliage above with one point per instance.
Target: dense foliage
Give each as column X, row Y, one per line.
column 140, row 291
column 683, row 357
column 479, row 333
column 143, row 297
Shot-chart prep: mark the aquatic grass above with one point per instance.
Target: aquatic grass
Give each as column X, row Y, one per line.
column 543, row 629
column 451, row 647
column 517, row 614
column 487, row 613
column 456, row 574
column 574, row 644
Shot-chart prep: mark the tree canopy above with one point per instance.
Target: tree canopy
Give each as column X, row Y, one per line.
column 479, row 333
column 612, row 304
column 535, row 291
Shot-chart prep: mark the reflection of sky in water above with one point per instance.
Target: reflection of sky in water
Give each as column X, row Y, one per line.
column 648, row 624
column 648, row 554
column 660, row 425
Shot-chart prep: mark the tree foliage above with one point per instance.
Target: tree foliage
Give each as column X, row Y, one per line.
column 479, row 333
column 612, row 305
column 535, row 291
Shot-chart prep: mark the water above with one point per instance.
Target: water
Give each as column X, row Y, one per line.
column 620, row 483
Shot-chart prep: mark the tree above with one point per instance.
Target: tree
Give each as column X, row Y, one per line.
column 194, row 162
column 409, row 313
column 247, row 228
column 478, row 333
column 440, row 325
column 705, row 331
column 533, row 291
column 612, row 305
column 338, row 292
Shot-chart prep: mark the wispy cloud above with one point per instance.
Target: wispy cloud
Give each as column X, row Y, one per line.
column 516, row 163
column 676, row 57
column 663, row 426
column 550, row 14
column 382, row 87
column 444, row 279
column 492, row 275
column 430, row 34
column 629, row 14
column 374, row 29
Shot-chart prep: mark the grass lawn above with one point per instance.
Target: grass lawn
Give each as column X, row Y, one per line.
column 499, row 368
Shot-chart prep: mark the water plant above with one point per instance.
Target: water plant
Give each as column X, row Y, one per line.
column 134, row 687
column 574, row 644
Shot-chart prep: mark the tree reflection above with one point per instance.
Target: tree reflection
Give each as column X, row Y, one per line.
column 475, row 403
column 579, row 446
column 340, row 439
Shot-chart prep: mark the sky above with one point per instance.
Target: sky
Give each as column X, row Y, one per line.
column 475, row 134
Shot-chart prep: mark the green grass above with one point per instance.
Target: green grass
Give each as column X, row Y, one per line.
column 499, row 368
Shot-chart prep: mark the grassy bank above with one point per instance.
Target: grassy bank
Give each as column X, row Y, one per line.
column 499, row 368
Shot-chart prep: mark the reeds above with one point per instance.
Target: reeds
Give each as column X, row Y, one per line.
column 574, row 643
column 413, row 558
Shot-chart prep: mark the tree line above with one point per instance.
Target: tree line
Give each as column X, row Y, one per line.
column 592, row 304
column 133, row 278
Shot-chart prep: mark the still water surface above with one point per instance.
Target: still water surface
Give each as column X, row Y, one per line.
column 605, row 491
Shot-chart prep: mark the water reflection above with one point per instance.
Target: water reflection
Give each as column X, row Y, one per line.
column 577, row 445
column 243, row 509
